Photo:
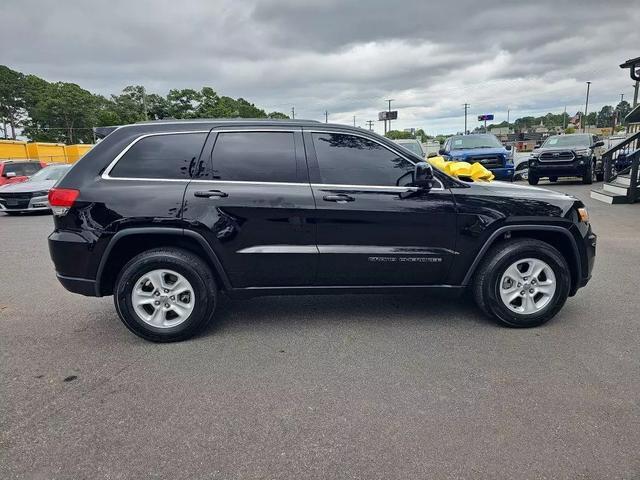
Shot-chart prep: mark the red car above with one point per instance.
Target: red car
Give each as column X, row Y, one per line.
column 12, row 171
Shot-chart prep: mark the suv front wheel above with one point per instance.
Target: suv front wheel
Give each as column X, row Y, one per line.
column 522, row 283
column 165, row 294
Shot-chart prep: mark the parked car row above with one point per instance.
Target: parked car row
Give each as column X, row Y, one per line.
column 569, row 155
column 28, row 193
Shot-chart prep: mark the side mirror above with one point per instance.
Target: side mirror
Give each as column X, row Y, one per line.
column 423, row 175
column 508, row 147
column 10, row 174
column 598, row 144
column 441, row 151
column 432, row 155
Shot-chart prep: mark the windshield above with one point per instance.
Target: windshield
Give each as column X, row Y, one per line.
column 414, row 147
column 22, row 169
column 55, row 172
column 568, row 141
column 475, row 141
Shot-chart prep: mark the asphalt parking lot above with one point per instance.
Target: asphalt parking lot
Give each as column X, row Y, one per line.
column 322, row 387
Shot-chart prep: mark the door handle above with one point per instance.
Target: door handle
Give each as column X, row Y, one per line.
column 210, row 194
column 340, row 198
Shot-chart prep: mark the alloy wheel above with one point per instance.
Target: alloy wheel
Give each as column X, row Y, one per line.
column 527, row 286
column 163, row 298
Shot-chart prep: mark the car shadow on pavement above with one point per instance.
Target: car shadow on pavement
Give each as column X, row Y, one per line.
column 327, row 309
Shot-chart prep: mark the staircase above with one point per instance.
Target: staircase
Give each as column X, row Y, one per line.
column 621, row 179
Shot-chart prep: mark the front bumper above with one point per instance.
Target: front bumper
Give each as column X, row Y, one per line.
column 34, row 204
column 575, row 168
column 505, row 173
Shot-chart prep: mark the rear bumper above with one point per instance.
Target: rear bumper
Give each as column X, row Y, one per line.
column 71, row 255
column 82, row 286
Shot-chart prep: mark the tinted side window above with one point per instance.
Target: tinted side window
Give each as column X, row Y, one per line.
column 350, row 160
column 161, row 156
column 255, row 157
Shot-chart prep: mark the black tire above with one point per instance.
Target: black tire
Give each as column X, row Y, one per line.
column 489, row 274
column 600, row 175
column 587, row 178
column 553, row 179
column 187, row 264
column 533, row 179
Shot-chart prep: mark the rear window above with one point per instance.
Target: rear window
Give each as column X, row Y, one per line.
column 167, row 156
column 255, row 157
column 21, row 169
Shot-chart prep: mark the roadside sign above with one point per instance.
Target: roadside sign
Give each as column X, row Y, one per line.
column 485, row 117
column 388, row 115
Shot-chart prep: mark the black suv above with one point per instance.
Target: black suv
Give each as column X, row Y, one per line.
column 574, row 155
column 165, row 216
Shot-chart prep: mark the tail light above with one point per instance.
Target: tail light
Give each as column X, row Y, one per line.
column 62, row 199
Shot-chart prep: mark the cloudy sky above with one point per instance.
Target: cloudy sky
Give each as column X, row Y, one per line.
column 346, row 57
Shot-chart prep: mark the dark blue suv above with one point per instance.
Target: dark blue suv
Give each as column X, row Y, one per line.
column 485, row 149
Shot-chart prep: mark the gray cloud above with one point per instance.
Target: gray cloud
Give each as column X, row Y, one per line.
column 343, row 56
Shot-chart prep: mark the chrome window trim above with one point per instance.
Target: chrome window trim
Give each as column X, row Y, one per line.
column 106, row 174
column 367, row 137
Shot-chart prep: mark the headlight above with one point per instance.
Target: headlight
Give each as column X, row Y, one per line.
column 583, row 214
column 583, row 153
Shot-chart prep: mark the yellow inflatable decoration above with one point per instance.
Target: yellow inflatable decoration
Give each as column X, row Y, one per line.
column 475, row 171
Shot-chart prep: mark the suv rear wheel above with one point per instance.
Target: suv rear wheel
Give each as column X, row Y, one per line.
column 165, row 294
column 523, row 283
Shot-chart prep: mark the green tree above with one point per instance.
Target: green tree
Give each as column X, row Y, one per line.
column 278, row 115
column 605, row 117
column 623, row 108
column 62, row 112
column 183, row 103
column 12, row 103
column 398, row 134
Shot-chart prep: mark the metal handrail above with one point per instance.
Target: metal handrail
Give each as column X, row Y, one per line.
column 630, row 147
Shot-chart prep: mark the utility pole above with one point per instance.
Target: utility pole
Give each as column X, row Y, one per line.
column 508, row 112
column 635, row 94
column 293, row 113
column 370, row 123
column 466, row 107
column 326, row 117
column 389, row 100
column 564, row 118
column 586, row 106
column 354, row 120
column 144, row 103
column 621, row 97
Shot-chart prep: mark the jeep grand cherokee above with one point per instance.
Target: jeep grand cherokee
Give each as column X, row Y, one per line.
column 165, row 216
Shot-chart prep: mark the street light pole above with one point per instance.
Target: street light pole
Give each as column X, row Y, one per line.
column 389, row 100
column 586, row 106
column 466, row 107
